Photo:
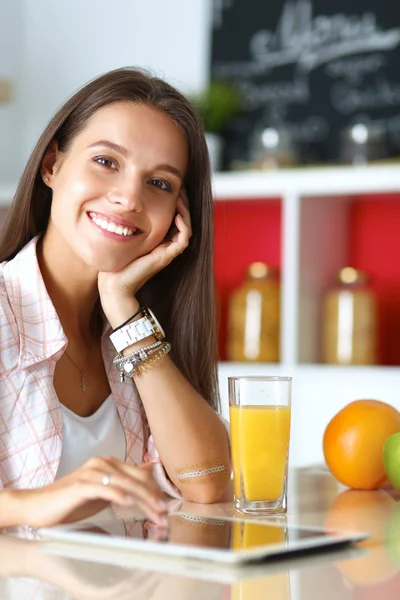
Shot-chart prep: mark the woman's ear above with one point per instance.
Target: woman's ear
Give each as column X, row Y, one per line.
column 50, row 163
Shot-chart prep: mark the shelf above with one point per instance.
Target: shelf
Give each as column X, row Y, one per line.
column 304, row 181
column 319, row 371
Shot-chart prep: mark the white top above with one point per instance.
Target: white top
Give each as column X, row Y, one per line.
column 101, row 434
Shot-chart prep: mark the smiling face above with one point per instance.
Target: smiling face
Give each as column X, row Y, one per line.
column 115, row 189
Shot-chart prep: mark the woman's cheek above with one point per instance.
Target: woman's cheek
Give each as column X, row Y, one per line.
column 165, row 226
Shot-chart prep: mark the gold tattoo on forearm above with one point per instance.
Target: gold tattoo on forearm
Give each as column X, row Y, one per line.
column 201, row 473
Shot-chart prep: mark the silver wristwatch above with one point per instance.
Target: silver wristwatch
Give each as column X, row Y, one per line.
column 137, row 331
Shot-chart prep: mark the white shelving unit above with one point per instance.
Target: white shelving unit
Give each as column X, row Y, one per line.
column 315, row 218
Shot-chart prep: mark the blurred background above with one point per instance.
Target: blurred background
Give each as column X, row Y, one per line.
column 300, row 101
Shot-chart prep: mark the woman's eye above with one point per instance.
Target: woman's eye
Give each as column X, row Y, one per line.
column 161, row 184
column 105, row 161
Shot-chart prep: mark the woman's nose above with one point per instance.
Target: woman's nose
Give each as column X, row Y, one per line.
column 128, row 194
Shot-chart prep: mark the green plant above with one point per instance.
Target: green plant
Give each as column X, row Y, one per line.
column 217, row 105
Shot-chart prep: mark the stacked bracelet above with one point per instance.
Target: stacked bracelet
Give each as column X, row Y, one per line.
column 120, row 359
column 138, row 361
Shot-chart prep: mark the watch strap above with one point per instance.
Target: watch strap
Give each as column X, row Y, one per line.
column 131, row 333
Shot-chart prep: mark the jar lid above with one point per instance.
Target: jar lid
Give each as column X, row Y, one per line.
column 349, row 275
column 259, row 270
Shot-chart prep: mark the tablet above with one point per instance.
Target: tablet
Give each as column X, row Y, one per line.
column 223, row 539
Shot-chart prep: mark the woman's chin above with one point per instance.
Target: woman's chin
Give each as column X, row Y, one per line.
column 107, row 262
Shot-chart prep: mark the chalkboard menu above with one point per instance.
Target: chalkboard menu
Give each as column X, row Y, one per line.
column 312, row 67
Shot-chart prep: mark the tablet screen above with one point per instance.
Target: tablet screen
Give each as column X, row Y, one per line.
column 205, row 537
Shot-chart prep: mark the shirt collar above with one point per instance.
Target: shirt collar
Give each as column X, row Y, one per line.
column 40, row 331
column 41, row 334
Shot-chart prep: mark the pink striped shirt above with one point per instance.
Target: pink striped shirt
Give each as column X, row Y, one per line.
column 31, row 341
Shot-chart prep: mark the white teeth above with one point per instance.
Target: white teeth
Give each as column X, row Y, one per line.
column 112, row 227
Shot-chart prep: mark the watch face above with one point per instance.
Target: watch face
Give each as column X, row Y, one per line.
column 158, row 333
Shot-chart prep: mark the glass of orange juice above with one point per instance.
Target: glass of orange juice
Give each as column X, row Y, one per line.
column 259, row 409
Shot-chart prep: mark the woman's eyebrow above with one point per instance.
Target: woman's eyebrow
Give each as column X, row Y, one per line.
column 170, row 169
column 112, row 146
column 125, row 152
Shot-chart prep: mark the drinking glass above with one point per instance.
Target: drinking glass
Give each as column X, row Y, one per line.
column 259, row 410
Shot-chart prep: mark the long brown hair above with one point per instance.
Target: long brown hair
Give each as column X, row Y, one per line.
column 182, row 294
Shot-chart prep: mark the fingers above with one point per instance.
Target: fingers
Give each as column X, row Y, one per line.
column 116, row 495
column 184, row 197
column 124, row 485
column 184, row 213
column 180, row 239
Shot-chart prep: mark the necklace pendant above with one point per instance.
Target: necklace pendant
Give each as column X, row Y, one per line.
column 83, row 384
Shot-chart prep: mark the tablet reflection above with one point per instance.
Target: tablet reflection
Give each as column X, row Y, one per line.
column 208, row 532
column 248, row 534
column 189, row 529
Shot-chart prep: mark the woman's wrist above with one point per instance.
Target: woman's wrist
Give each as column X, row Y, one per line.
column 119, row 310
column 138, row 345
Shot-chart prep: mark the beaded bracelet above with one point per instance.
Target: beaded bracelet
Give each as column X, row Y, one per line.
column 138, row 361
column 153, row 357
column 120, row 359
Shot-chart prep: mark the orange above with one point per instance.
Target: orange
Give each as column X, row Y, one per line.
column 353, row 443
column 368, row 511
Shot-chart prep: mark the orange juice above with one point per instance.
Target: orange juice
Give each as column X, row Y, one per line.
column 259, row 444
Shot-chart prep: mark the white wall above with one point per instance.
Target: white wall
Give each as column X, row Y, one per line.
column 10, row 68
column 67, row 43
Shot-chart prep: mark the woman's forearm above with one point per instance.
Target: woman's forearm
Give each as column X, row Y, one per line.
column 190, row 437
column 11, row 509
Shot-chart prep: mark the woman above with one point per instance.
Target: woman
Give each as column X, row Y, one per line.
column 112, row 216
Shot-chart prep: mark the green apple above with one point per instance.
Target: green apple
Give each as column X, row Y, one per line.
column 391, row 460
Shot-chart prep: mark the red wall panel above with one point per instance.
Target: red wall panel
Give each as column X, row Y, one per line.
column 374, row 246
column 245, row 231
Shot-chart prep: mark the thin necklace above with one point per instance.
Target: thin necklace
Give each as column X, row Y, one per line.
column 83, row 382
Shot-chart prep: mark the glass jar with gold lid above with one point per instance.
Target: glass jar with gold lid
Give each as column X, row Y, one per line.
column 350, row 321
column 254, row 316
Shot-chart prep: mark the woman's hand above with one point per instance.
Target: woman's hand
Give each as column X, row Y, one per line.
column 83, row 493
column 118, row 288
